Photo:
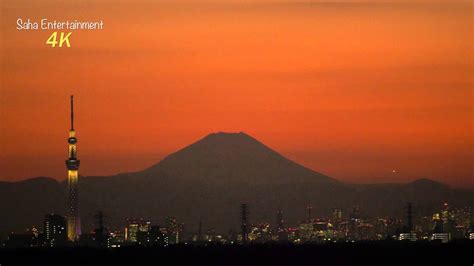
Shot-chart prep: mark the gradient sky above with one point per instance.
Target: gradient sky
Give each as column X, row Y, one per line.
column 351, row 89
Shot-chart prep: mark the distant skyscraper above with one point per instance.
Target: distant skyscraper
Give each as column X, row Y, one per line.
column 101, row 234
column 282, row 233
column 131, row 231
column 72, row 164
column 243, row 222
column 407, row 231
column 200, row 231
column 156, row 237
column 174, row 229
column 143, row 233
column 353, row 223
column 336, row 216
column 280, row 221
column 136, row 230
column 54, row 230
column 308, row 209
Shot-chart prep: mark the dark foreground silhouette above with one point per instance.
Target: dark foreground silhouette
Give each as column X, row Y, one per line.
column 368, row 253
column 212, row 177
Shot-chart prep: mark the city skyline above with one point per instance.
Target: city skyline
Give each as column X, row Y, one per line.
column 363, row 92
column 445, row 225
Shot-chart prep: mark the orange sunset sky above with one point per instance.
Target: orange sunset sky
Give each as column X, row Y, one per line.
column 351, row 89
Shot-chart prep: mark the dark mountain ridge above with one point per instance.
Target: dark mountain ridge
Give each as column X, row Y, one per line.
column 231, row 158
column 207, row 181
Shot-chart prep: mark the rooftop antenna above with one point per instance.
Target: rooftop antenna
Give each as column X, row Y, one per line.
column 72, row 112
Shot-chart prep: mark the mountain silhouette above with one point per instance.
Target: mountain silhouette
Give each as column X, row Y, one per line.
column 232, row 158
column 207, row 181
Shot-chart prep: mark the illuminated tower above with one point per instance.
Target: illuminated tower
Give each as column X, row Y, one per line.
column 72, row 164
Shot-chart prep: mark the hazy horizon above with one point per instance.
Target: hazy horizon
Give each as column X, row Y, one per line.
column 154, row 159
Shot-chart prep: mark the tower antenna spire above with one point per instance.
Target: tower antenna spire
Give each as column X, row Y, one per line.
column 72, row 165
column 72, row 112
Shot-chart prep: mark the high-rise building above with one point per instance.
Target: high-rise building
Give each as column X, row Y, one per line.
column 131, row 230
column 174, row 230
column 137, row 231
column 354, row 223
column 143, row 233
column 306, row 230
column 407, row 232
column 101, row 234
column 72, row 164
column 439, row 233
column 115, row 239
column 282, row 233
column 54, row 230
column 156, row 237
column 243, row 222
column 308, row 209
column 336, row 216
